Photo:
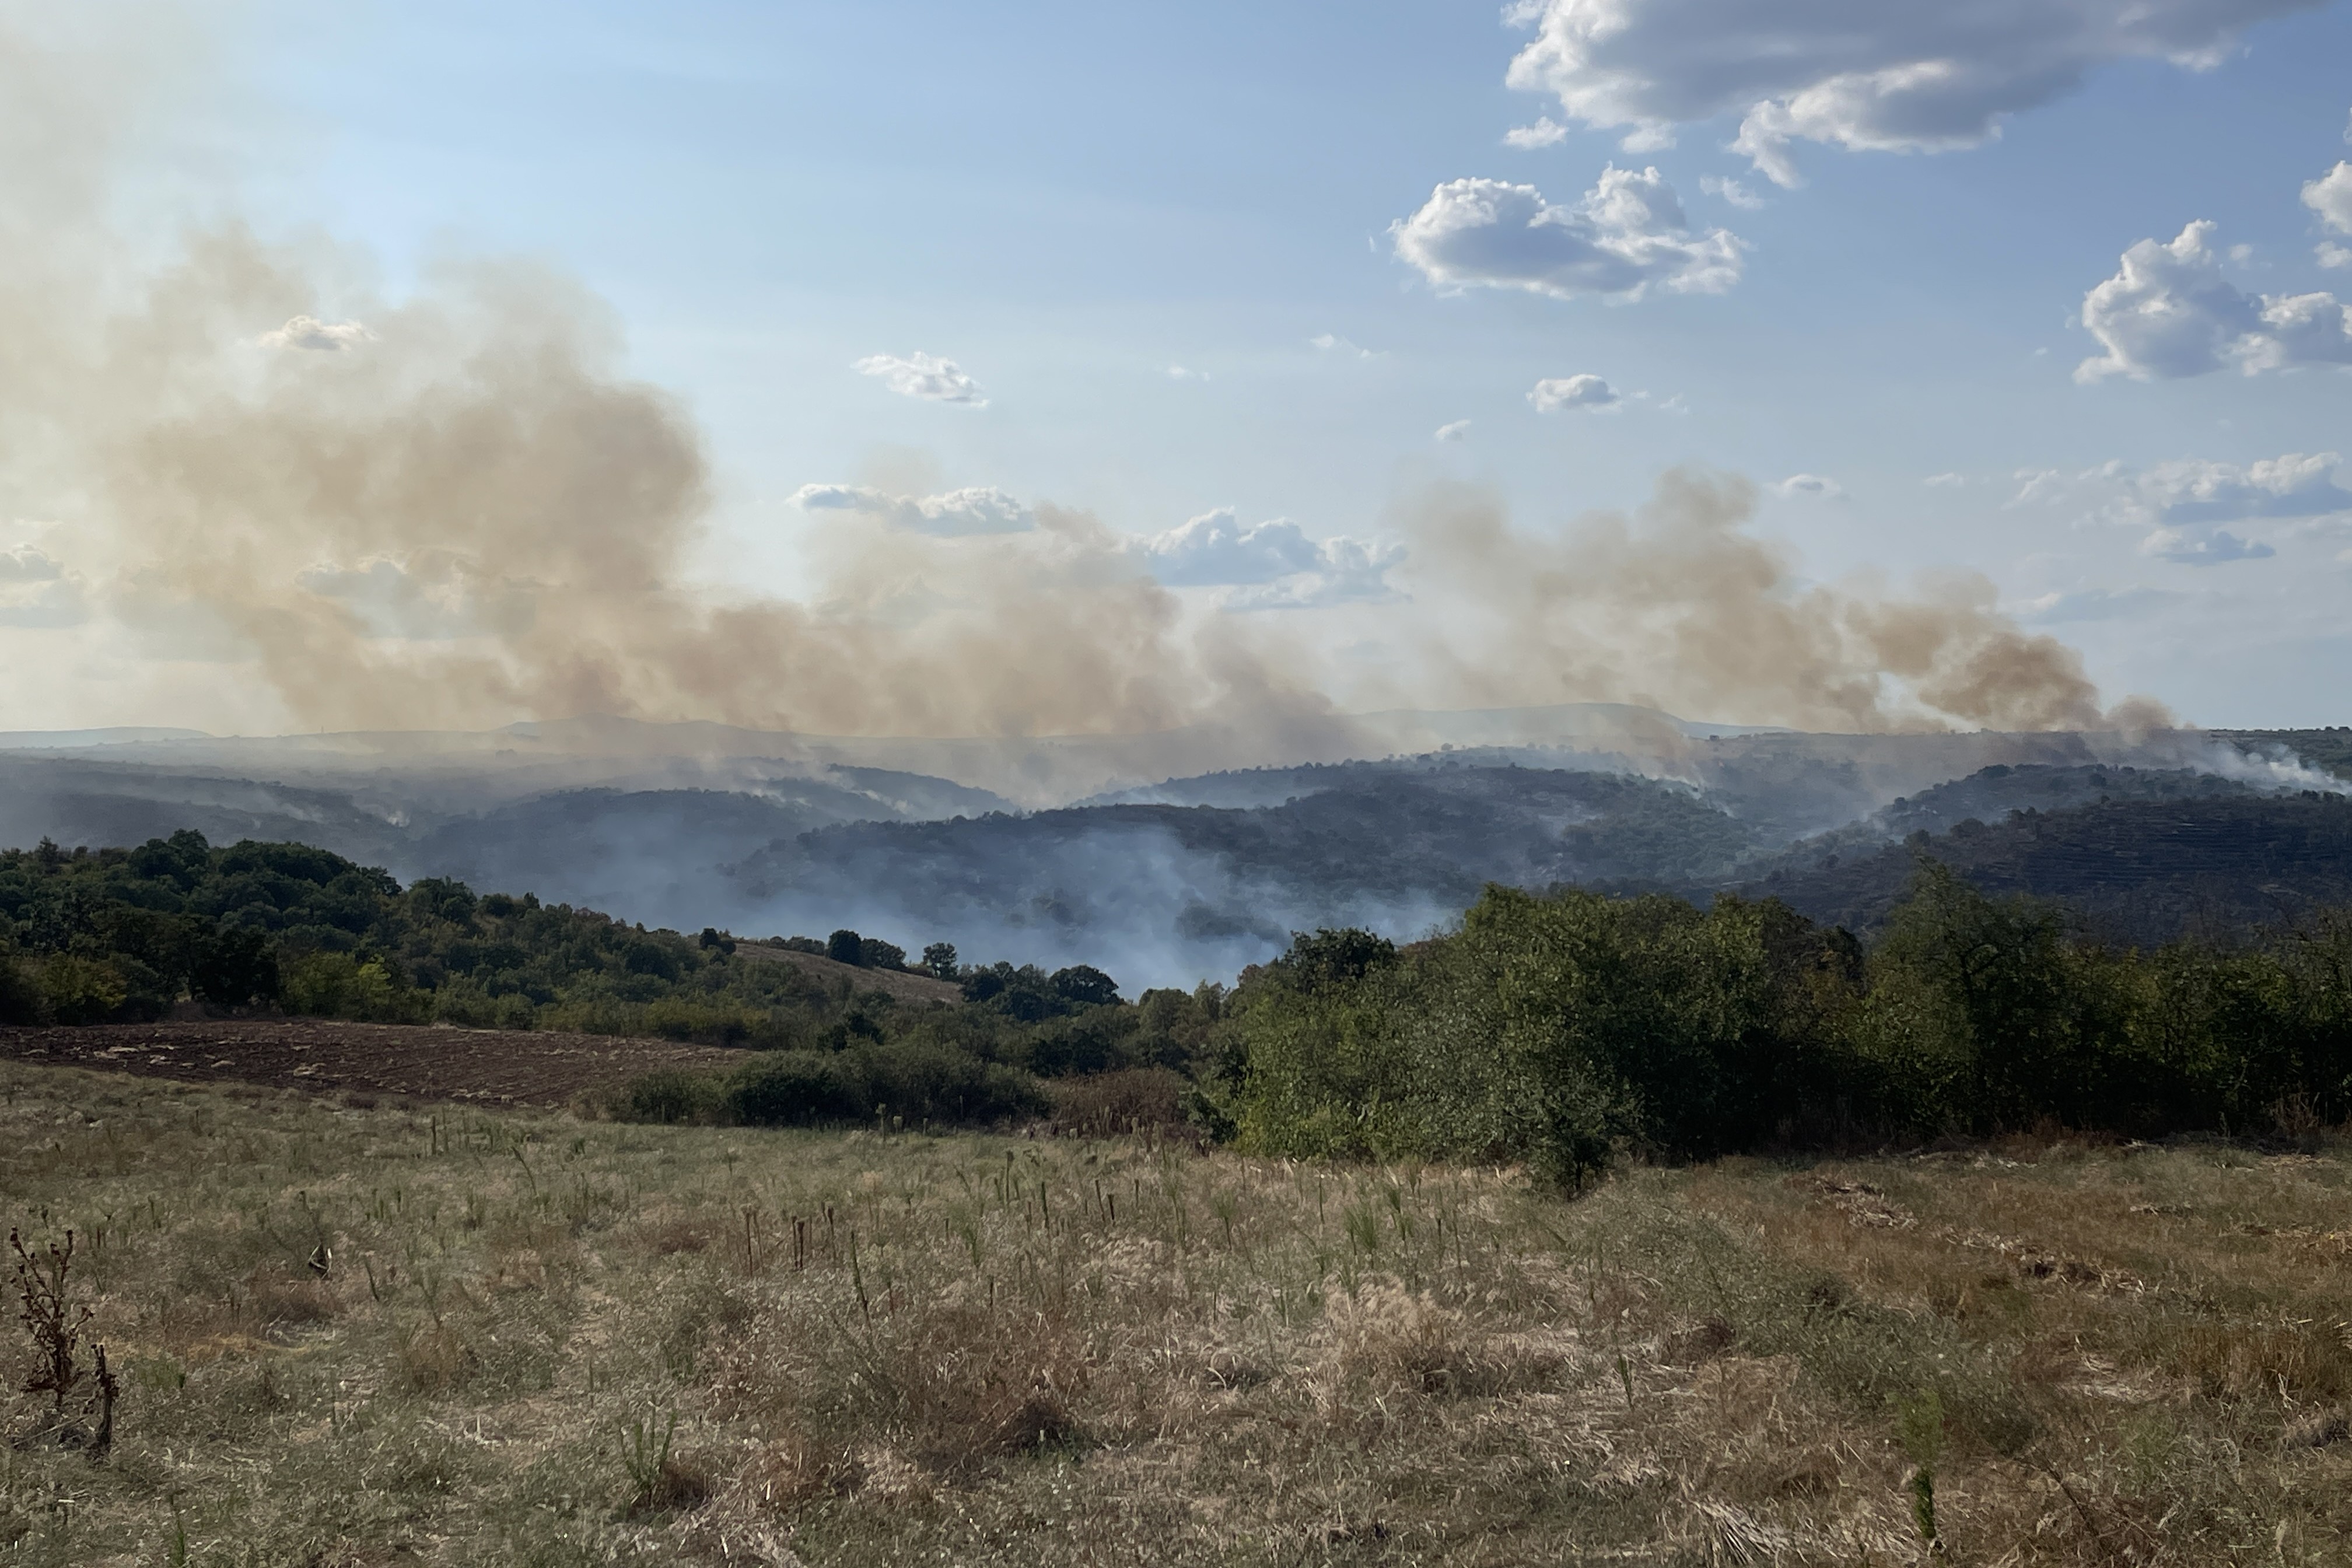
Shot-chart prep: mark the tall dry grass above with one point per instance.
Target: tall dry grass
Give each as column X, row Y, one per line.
column 537, row 1341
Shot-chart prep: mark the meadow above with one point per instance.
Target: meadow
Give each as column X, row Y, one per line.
column 373, row 1334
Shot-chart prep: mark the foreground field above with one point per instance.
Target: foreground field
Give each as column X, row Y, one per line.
column 375, row 1336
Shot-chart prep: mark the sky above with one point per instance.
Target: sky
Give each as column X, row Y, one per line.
column 2039, row 289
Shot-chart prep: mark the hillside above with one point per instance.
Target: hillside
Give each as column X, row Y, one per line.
column 2135, row 871
column 1172, row 893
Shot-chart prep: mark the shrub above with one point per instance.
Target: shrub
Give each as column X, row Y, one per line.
column 1133, row 1099
column 22, row 1000
column 462, row 1000
column 911, row 1082
column 668, row 1095
column 81, row 990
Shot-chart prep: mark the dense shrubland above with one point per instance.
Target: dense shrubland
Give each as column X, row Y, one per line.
column 1560, row 1030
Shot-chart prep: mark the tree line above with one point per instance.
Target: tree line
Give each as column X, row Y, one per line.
column 1561, row 1030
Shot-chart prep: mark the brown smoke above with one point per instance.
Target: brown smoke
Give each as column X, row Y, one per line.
column 464, row 515
column 466, row 518
column 1677, row 608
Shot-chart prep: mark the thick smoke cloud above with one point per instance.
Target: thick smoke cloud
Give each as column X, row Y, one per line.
column 454, row 510
column 1678, row 607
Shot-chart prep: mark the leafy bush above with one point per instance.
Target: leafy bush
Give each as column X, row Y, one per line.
column 908, row 1082
column 668, row 1095
column 22, row 1000
column 81, row 990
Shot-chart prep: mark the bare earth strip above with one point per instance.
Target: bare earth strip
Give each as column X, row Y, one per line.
column 492, row 1066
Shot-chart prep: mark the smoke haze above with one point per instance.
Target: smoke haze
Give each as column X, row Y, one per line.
column 454, row 510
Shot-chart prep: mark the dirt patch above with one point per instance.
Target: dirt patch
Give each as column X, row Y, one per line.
column 494, row 1067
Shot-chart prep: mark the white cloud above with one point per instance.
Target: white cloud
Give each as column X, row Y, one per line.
column 1332, row 342
column 982, row 508
column 36, row 592
column 1626, row 235
column 2093, row 604
column 2330, row 196
column 2169, row 313
column 1586, row 392
column 1271, row 565
column 920, row 375
column 2292, row 485
column 318, row 337
column 2332, row 255
column 1180, row 373
column 2200, row 547
column 1730, row 190
column 1863, row 74
column 1543, row 132
column 26, row 564
column 2035, row 485
column 1454, row 431
column 2185, row 504
column 1945, row 481
column 1810, row 487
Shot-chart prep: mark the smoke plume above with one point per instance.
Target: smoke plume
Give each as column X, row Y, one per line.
column 1678, row 607
column 454, row 510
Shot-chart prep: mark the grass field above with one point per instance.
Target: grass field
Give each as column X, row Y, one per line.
column 544, row 1340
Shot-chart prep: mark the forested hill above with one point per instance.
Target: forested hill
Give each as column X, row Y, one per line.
column 1198, row 889
column 2135, row 871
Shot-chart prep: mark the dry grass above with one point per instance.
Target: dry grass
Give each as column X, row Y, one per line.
column 864, row 1351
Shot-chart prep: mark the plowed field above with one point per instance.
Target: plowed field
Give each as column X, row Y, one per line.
column 492, row 1066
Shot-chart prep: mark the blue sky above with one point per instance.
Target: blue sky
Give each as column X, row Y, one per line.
column 1074, row 203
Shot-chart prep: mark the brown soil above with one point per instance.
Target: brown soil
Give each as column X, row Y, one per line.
column 493, row 1066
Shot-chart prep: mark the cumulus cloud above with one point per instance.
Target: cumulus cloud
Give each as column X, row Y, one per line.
column 26, row 564
column 36, row 590
column 317, row 336
column 1454, row 431
column 1269, row 565
column 1587, row 392
column 1626, row 235
column 2292, row 485
column 921, row 375
column 1861, row 74
column 2185, row 503
column 2170, row 313
column 1730, row 190
column 1810, row 487
column 2330, row 196
column 978, row 509
column 2332, row 255
column 1545, row 132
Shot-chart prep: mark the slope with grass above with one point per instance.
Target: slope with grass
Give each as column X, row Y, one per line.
column 375, row 1336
